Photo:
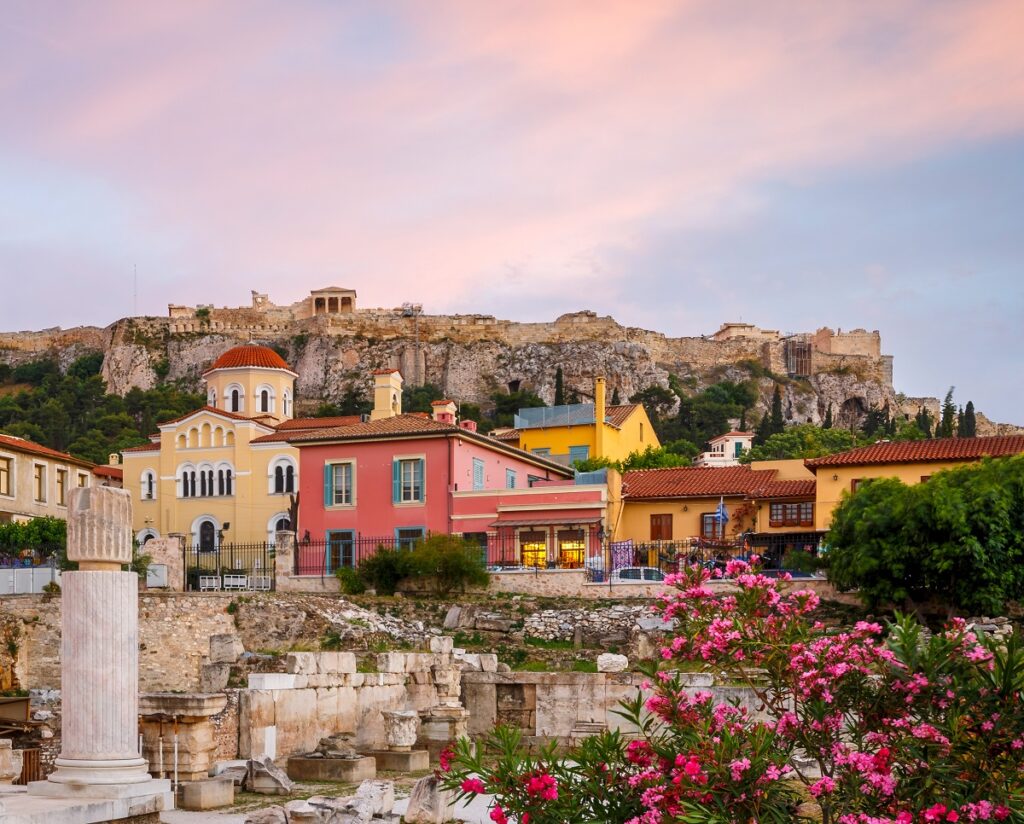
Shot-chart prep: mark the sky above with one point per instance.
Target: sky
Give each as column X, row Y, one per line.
column 673, row 164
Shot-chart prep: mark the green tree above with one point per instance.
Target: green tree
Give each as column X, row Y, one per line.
column 615, row 397
column 778, row 424
column 924, row 422
column 947, row 422
column 827, row 423
column 957, row 539
column 507, row 404
column 649, row 458
column 763, row 431
column 801, row 441
column 559, row 387
column 968, row 426
column 420, row 398
column 657, row 401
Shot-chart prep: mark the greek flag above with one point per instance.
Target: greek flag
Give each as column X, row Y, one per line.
column 721, row 516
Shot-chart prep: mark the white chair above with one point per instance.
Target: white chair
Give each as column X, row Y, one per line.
column 209, row 583
column 261, row 583
column 236, row 582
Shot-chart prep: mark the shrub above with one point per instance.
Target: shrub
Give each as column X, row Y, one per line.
column 450, row 562
column 901, row 728
column 385, row 569
column 351, row 581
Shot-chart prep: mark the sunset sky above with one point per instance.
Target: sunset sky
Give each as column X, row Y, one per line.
column 673, row 164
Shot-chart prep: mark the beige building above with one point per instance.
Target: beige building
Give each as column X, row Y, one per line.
column 36, row 481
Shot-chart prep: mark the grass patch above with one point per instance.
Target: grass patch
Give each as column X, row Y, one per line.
column 584, row 666
column 544, row 643
column 533, row 666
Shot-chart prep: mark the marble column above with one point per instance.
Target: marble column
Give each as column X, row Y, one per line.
column 99, row 655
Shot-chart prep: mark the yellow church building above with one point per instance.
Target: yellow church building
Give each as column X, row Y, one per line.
column 225, row 472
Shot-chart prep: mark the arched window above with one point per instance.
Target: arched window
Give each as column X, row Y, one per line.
column 236, row 401
column 227, row 482
column 289, row 478
column 283, row 525
column 202, row 485
column 286, row 403
column 279, row 478
column 211, row 397
column 281, row 475
column 264, row 401
column 207, row 536
column 148, row 485
column 220, row 482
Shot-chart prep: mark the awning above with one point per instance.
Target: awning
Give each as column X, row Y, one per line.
column 550, row 522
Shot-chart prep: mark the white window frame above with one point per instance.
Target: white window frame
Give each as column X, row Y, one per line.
column 37, row 487
column 11, row 472
column 411, row 460
column 350, row 504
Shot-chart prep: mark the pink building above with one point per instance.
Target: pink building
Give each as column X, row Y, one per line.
column 395, row 478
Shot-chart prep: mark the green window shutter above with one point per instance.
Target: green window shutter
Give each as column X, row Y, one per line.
column 419, row 480
column 396, row 481
column 328, row 478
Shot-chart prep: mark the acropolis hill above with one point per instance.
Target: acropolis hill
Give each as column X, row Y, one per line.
column 334, row 345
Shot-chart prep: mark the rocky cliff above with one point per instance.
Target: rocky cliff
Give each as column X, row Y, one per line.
column 470, row 357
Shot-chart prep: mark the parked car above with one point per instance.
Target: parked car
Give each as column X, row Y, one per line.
column 624, row 575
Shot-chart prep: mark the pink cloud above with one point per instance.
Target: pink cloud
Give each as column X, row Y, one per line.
column 487, row 136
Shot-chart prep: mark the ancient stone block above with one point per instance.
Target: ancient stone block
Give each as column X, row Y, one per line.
column 100, row 525
column 347, row 770
column 225, row 648
column 267, row 778
column 442, row 644
column 208, row 794
column 610, row 662
column 214, row 677
column 429, row 804
column 301, row 663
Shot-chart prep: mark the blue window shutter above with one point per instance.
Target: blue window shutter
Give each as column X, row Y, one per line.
column 396, row 481
column 328, row 478
column 419, row 480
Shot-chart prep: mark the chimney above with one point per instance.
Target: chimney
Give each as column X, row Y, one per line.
column 114, row 459
column 599, row 413
column 387, row 394
column 443, row 411
column 469, row 426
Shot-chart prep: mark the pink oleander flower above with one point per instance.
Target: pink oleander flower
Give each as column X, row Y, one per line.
column 473, row 785
column 498, row 816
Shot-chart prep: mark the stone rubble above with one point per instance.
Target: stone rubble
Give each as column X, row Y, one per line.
column 429, row 804
column 372, row 803
column 266, row 778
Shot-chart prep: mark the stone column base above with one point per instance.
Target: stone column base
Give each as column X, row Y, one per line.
column 147, row 787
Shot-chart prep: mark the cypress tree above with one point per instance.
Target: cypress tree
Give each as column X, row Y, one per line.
column 827, row 424
column 559, row 388
column 947, row 423
column 777, row 423
column 615, row 397
column 968, row 422
column 763, row 431
column 924, row 421
column 743, row 420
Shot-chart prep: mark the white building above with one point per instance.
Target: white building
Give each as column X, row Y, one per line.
column 726, row 449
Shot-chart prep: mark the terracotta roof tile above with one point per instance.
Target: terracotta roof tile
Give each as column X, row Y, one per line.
column 694, row 482
column 616, row 415
column 319, row 423
column 408, row 425
column 33, row 448
column 937, row 449
column 108, row 471
column 233, row 415
column 735, row 433
column 786, row 489
column 146, row 447
column 250, row 354
column 512, row 435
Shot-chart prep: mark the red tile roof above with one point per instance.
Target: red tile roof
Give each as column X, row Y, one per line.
column 233, row 415
column 409, row 425
column 146, row 447
column 937, row 449
column 694, row 482
column 786, row 489
column 616, row 415
column 735, row 433
column 443, row 402
column 33, row 448
column 250, row 354
column 384, row 371
column 108, row 472
column 510, row 435
column 319, row 423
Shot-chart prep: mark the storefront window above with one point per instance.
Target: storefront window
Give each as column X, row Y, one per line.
column 572, row 547
column 533, row 547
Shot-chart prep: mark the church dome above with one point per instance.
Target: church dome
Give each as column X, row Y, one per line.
column 250, row 354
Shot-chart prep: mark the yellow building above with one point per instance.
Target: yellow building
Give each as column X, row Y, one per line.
column 568, row 434
column 223, row 472
column 909, row 461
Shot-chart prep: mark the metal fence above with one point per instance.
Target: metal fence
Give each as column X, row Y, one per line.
column 28, row 568
column 344, row 549
column 229, row 567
